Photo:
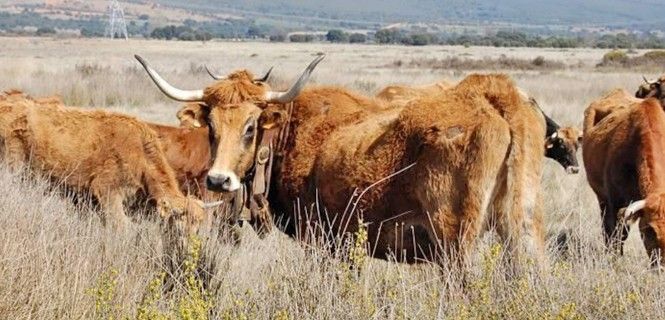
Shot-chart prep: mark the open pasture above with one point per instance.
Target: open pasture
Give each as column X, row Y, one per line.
column 57, row 261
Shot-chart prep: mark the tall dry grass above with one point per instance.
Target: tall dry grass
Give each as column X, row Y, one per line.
column 57, row 261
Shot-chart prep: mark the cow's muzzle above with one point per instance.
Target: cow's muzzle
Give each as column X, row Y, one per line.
column 572, row 169
column 222, row 182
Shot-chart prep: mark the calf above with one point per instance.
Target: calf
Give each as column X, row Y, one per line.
column 111, row 156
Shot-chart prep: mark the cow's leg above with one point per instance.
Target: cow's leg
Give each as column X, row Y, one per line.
column 15, row 151
column 615, row 234
column 518, row 205
column 111, row 203
column 114, row 209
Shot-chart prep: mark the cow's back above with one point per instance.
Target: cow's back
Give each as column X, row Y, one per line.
column 614, row 100
column 79, row 145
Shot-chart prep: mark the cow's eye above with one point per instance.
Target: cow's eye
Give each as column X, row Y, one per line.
column 250, row 130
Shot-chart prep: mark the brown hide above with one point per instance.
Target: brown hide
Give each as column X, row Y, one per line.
column 623, row 156
column 400, row 95
column 187, row 151
column 610, row 102
column 462, row 148
column 112, row 156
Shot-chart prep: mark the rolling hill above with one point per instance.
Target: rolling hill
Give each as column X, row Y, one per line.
column 616, row 13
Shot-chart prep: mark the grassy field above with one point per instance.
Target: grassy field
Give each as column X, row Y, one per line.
column 57, row 261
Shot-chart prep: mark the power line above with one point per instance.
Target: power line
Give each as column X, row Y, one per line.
column 117, row 25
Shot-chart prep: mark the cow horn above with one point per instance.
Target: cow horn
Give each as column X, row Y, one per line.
column 554, row 135
column 265, row 77
column 649, row 81
column 211, row 205
column 292, row 93
column 214, row 76
column 218, row 77
column 167, row 89
column 633, row 208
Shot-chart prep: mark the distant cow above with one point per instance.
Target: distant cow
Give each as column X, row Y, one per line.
column 624, row 159
column 111, row 156
column 440, row 169
column 652, row 89
column 561, row 145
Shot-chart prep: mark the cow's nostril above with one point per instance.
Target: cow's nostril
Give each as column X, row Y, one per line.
column 210, row 181
column 220, row 182
column 226, row 184
column 572, row 170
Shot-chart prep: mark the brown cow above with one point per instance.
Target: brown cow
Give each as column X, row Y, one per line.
column 112, row 156
column 561, row 143
column 624, row 163
column 467, row 171
column 186, row 149
column 474, row 151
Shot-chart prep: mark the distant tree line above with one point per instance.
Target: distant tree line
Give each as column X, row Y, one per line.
column 520, row 39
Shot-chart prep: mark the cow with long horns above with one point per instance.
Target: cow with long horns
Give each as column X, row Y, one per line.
column 448, row 165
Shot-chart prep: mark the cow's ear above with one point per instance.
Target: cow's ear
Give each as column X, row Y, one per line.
column 193, row 115
column 549, row 142
column 272, row 118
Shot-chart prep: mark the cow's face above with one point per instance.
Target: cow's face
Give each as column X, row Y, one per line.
column 651, row 89
column 234, row 133
column 653, row 236
column 233, row 121
column 652, row 226
column 562, row 146
column 645, row 89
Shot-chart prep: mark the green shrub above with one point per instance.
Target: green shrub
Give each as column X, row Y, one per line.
column 655, row 55
column 337, row 35
column 615, row 57
column 357, row 38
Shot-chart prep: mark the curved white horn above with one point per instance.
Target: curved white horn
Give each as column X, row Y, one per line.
column 169, row 90
column 649, row 81
column 292, row 93
column 218, row 77
column 214, row 76
column 210, row 205
column 265, row 77
column 633, row 208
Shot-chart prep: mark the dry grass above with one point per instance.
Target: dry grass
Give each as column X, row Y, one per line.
column 56, row 261
column 501, row 63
